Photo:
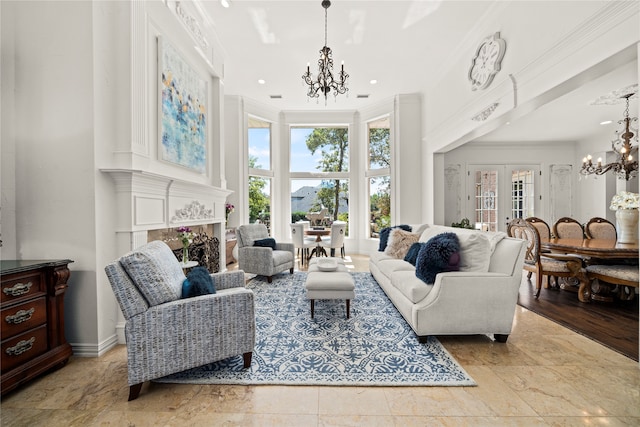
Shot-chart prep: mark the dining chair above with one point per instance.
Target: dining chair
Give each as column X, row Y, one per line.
column 336, row 239
column 625, row 277
column 547, row 263
column 543, row 228
column 302, row 245
column 307, row 225
column 568, row 228
column 600, row 228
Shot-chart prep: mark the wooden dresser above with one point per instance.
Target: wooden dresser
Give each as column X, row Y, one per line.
column 32, row 307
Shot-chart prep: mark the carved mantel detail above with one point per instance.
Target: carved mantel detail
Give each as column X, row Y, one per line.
column 193, row 211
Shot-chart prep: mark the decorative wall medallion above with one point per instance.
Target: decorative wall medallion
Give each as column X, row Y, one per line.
column 193, row 211
column 484, row 114
column 486, row 62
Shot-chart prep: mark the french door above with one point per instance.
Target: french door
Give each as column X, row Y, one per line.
column 499, row 193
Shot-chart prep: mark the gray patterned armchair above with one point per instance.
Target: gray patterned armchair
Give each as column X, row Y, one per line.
column 259, row 260
column 166, row 334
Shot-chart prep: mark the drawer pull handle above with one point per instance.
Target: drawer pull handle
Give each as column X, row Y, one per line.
column 17, row 289
column 22, row 347
column 20, row 316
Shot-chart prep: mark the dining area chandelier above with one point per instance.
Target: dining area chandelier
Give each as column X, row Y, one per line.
column 626, row 165
column 325, row 82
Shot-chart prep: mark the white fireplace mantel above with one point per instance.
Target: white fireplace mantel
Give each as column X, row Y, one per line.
column 149, row 201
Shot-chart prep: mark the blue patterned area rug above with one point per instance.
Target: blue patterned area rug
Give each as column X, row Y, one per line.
column 374, row 347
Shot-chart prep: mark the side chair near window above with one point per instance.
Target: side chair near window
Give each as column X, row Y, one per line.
column 260, row 260
column 165, row 333
column 600, row 228
column 549, row 264
column 568, row 228
column 336, row 239
column 302, row 245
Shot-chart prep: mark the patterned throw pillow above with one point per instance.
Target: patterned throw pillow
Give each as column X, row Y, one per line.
column 399, row 242
column 155, row 271
column 269, row 242
column 440, row 254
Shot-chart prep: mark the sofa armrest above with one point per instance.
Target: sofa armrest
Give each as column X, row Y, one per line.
column 473, row 287
column 229, row 279
column 286, row 247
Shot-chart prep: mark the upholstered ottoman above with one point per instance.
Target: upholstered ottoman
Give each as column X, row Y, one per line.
column 328, row 278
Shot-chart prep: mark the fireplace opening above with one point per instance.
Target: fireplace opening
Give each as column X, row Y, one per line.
column 205, row 247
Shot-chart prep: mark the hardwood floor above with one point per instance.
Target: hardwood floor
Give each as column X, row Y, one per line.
column 544, row 375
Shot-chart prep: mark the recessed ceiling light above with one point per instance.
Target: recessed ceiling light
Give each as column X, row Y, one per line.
column 224, row 3
column 275, row 96
column 374, row 81
column 261, row 81
column 362, row 96
column 606, row 122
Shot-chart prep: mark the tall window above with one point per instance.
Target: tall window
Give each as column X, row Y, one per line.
column 378, row 175
column 260, row 171
column 320, row 172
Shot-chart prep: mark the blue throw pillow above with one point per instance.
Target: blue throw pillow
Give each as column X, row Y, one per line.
column 198, row 282
column 384, row 235
column 269, row 242
column 441, row 253
column 412, row 254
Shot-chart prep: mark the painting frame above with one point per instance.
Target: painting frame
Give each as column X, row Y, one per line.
column 183, row 129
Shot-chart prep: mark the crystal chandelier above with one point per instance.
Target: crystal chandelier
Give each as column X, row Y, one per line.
column 626, row 167
column 325, row 81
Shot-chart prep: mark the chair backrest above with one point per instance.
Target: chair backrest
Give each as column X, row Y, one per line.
column 249, row 233
column 297, row 234
column 600, row 228
column 544, row 231
column 568, row 228
column 306, row 224
column 522, row 229
column 338, row 229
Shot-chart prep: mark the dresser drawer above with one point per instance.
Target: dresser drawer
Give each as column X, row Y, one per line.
column 24, row 347
column 21, row 286
column 22, row 317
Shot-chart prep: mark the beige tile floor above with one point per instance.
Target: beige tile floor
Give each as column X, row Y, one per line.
column 545, row 375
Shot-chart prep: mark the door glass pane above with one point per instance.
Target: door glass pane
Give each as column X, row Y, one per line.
column 486, row 200
column 522, row 196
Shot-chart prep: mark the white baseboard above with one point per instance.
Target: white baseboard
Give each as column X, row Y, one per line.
column 94, row 350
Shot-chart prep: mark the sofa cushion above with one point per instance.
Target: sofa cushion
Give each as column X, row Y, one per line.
column 410, row 286
column 399, row 242
column 475, row 252
column 156, row 272
column 379, row 256
column 389, row 265
column 439, row 254
column 384, row 235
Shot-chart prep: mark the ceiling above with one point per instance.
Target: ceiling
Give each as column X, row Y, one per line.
column 382, row 40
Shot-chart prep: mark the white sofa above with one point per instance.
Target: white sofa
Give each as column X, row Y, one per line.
column 479, row 299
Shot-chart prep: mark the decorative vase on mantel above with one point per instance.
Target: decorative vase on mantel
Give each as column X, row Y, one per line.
column 627, row 225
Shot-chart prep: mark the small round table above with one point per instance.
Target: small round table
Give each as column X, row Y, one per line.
column 318, row 233
column 187, row 265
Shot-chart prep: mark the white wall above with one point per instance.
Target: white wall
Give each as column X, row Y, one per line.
column 80, row 95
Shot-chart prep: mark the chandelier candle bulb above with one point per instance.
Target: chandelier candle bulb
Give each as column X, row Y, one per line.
column 599, row 162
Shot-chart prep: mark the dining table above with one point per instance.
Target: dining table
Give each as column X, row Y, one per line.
column 591, row 250
column 318, row 232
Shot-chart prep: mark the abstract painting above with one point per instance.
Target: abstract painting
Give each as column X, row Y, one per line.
column 183, row 111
